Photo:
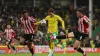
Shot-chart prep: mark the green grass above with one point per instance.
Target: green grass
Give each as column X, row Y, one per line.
column 57, row 54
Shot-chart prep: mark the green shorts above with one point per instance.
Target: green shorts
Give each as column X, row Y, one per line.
column 54, row 34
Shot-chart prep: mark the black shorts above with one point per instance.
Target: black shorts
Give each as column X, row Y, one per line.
column 9, row 41
column 28, row 37
column 80, row 36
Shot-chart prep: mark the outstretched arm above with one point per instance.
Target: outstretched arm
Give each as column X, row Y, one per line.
column 40, row 22
column 62, row 22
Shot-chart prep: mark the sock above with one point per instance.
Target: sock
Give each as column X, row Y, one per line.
column 31, row 50
column 63, row 45
column 65, row 49
column 13, row 47
column 8, row 46
column 32, row 54
column 51, row 52
column 79, row 50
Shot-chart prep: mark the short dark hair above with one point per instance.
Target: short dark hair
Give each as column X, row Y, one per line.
column 81, row 10
column 24, row 11
column 51, row 10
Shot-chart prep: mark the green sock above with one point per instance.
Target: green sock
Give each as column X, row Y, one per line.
column 63, row 45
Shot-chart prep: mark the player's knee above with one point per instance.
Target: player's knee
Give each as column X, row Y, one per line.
column 52, row 48
column 12, row 44
column 77, row 44
column 29, row 44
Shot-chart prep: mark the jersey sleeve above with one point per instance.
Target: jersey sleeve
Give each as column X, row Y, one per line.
column 21, row 19
column 14, row 33
column 86, row 19
column 62, row 22
column 46, row 18
column 32, row 19
column 5, row 31
column 12, row 30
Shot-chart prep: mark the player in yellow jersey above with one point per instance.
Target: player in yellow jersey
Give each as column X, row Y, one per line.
column 52, row 31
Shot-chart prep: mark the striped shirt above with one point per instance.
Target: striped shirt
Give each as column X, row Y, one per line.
column 28, row 24
column 9, row 33
column 83, row 24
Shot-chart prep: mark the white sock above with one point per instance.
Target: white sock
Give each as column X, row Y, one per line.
column 51, row 53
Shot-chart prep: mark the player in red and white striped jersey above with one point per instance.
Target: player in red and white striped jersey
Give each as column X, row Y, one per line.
column 83, row 24
column 28, row 24
column 29, row 30
column 10, row 34
column 82, row 33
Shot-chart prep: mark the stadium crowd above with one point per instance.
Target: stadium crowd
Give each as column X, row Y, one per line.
column 12, row 14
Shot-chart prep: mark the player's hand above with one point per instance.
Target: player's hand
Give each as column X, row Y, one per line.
column 63, row 29
column 35, row 24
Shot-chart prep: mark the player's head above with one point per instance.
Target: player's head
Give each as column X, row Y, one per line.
column 25, row 14
column 51, row 11
column 80, row 12
column 8, row 26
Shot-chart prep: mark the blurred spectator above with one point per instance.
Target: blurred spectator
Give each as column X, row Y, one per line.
column 98, row 40
column 92, row 44
column 38, row 38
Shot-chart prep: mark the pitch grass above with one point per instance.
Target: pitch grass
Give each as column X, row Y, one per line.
column 57, row 54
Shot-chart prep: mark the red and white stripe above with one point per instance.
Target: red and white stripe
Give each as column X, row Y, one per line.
column 9, row 33
column 28, row 25
column 83, row 24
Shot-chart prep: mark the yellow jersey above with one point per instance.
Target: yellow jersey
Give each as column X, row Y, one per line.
column 53, row 23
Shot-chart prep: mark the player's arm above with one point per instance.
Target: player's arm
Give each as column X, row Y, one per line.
column 37, row 23
column 14, row 33
column 32, row 20
column 21, row 24
column 62, row 22
column 87, row 20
